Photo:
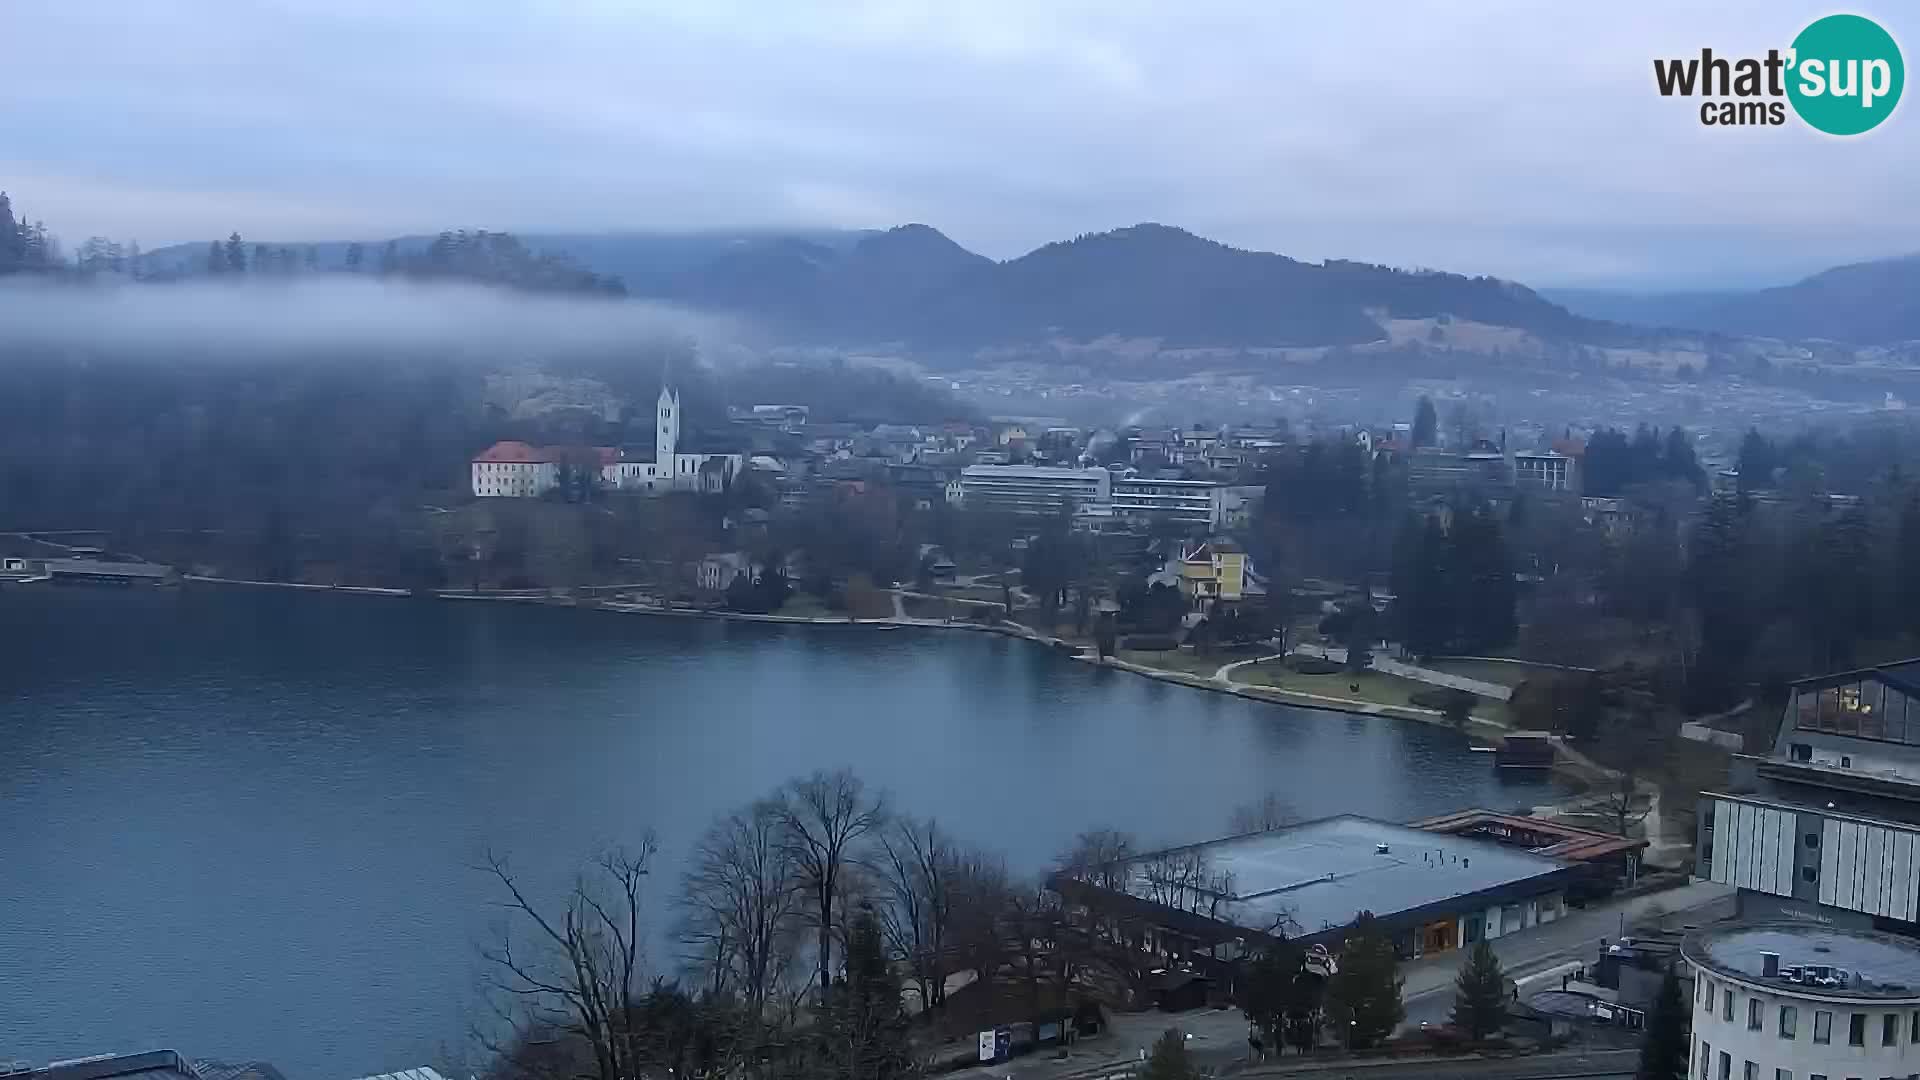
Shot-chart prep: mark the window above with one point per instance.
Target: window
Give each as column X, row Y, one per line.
column 1822, row 1026
column 1808, row 873
column 1802, row 752
column 1753, row 1014
column 1726, row 1005
column 1726, row 1066
column 1813, row 839
column 1706, row 1058
column 1749, row 1071
column 1913, row 1033
column 1783, row 1074
column 1890, row 1029
column 1846, row 763
column 1789, row 1020
column 1856, row 1030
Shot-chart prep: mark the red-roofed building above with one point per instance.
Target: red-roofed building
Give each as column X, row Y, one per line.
column 518, row 470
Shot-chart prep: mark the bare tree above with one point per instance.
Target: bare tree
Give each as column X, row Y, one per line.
column 580, row 971
column 981, row 895
column 824, row 818
column 739, row 906
column 918, row 868
column 1270, row 813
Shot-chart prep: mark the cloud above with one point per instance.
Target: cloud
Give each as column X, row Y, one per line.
column 1318, row 130
column 340, row 314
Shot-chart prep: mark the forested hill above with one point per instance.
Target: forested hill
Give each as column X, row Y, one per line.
column 914, row 285
column 1868, row 303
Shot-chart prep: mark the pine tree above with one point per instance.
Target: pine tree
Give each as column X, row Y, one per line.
column 1431, row 616
column 1363, row 997
column 1169, row 1058
column 865, row 1037
column 355, row 255
column 1664, row 1055
column 236, row 255
column 1480, row 994
column 1426, row 422
column 12, row 247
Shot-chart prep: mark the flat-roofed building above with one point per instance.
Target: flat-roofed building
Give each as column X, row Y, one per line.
column 1189, row 502
column 1033, row 489
column 1208, row 904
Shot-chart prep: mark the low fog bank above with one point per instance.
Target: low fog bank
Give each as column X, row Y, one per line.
column 336, row 313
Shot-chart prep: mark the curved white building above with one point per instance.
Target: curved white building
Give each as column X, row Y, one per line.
column 1794, row 1001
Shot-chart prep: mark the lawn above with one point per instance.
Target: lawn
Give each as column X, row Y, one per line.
column 1176, row 660
column 1375, row 688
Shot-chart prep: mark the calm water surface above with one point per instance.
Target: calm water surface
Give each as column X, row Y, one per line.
column 241, row 823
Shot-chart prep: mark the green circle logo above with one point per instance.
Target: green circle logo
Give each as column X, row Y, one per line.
column 1846, row 74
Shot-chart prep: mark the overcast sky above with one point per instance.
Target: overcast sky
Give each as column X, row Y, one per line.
column 1522, row 139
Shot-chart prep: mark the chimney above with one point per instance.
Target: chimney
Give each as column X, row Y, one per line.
column 1770, row 965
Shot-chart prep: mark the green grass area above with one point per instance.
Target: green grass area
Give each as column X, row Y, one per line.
column 806, row 606
column 1375, row 688
column 1185, row 660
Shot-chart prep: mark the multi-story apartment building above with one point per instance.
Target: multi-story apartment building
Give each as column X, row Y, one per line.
column 1191, row 502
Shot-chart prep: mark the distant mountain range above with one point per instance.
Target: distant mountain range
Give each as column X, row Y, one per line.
column 1868, row 303
column 913, row 285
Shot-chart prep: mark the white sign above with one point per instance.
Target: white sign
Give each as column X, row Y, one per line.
column 988, row 1049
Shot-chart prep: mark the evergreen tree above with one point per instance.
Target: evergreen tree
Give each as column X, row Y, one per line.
column 1480, row 569
column 1664, row 1054
column 356, row 254
column 1363, row 997
column 1480, row 994
column 1720, row 579
column 1758, row 459
column 1428, row 596
column 216, row 258
column 1169, row 1059
column 236, row 255
column 1426, row 422
column 12, row 245
column 262, row 259
column 1281, row 998
column 865, row 1036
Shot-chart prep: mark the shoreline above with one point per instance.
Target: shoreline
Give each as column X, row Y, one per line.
column 1263, row 694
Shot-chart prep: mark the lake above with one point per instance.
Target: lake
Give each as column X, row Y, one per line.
column 241, row 823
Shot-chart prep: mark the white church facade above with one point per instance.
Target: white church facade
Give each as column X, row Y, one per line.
column 515, row 469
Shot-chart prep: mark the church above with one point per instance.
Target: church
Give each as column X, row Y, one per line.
column 673, row 466
column 517, row 470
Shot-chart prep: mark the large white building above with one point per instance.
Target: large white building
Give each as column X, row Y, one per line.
column 518, row 470
column 1191, row 502
column 1092, row 493
column 1800, row 1001
column 1033, row 489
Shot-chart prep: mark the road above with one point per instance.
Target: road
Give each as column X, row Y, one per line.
column 1589, row 1065
column 1429, row 989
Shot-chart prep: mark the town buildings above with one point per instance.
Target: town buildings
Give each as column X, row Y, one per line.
column 1826, row 827
column 1215, row 572
column 1776, row 1000
column 518, row 470
column 1187, row 502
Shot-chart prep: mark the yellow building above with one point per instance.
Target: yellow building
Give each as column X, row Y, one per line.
column 1213, row 571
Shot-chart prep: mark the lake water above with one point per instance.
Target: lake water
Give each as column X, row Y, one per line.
column 241, row 823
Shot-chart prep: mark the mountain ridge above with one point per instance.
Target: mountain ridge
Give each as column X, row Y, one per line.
column 912, row 284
